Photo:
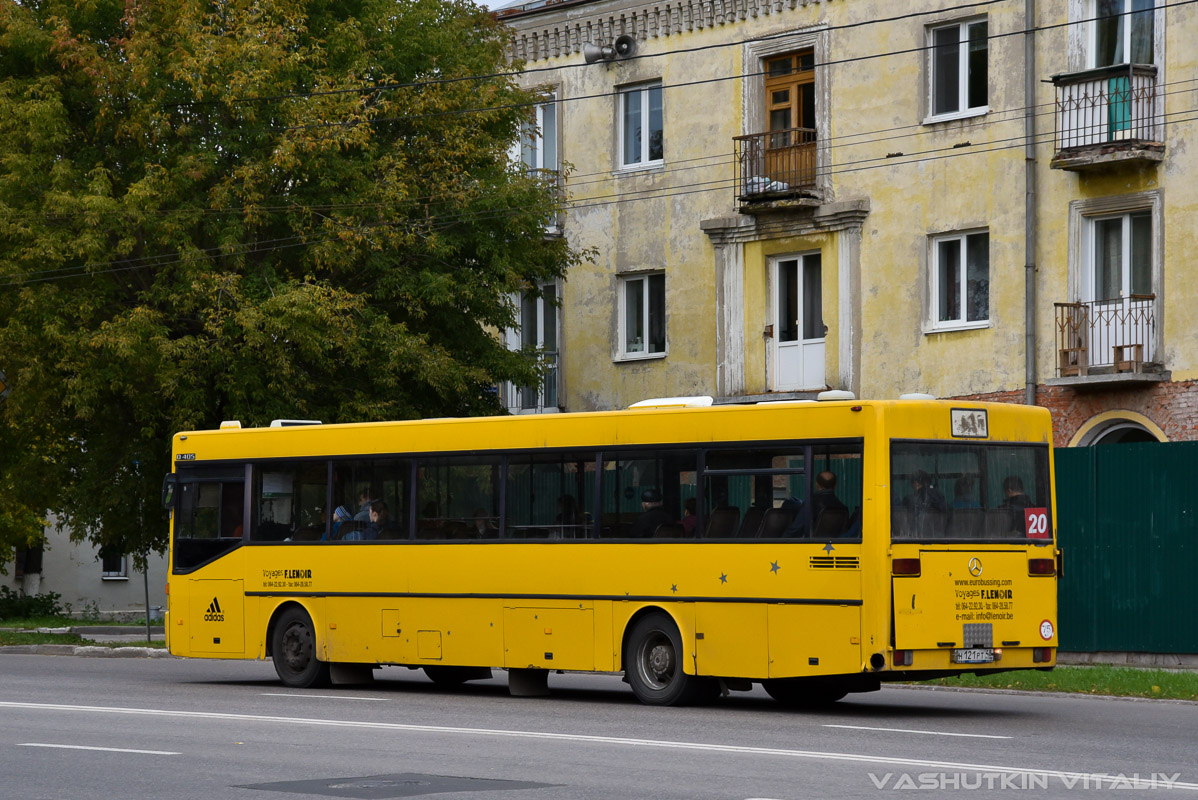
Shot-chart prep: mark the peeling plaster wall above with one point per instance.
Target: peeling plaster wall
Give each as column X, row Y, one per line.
column 905, row 180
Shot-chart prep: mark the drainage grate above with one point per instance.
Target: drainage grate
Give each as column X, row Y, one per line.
column 384, row 787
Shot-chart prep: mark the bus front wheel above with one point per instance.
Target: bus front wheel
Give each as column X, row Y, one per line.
column 653, row 664
column 293, row 648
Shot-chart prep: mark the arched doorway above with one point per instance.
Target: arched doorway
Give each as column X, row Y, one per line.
column 1117, row 427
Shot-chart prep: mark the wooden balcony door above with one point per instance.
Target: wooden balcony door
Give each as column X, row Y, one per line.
column 790, row 105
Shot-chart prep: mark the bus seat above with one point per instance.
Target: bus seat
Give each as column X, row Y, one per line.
column 902, row 523
column 669, row 530
column 831, row 523
column 968, row 523
column 751, row 523
column 998, row 523
column 722, row 522
column 775, row 521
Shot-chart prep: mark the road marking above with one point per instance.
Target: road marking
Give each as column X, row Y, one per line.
column 925, row 733
column 105, row 749
column 327, row 696
column 1070, row 778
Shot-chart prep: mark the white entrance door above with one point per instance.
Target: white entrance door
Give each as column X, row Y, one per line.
column 798, row 322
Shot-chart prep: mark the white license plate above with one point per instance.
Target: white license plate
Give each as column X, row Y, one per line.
column 974, row 656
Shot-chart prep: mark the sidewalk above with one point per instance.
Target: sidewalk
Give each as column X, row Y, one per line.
column 100, row 634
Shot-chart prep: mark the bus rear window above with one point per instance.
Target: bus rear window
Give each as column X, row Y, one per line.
column 949, row 490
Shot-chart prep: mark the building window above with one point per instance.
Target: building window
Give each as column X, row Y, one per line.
column 961, row 280
column 114, row 565
column 959, row 69
column 538, row 140
column 643, row 316
column 641, row 132
column 1121, row 32
column 537, row 332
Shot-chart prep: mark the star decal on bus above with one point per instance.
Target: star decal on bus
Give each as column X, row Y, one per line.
column 674, row 588
column 723, row 577
column 828, row 548
column 774, row 567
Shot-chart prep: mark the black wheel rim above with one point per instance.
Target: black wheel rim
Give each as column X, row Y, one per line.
column 297, row 648
column 657, row 661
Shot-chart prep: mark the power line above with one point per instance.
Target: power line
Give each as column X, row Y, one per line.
column 520, row 73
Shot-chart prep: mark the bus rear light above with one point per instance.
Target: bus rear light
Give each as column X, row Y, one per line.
column 1041, row 566
column 1041, row 655
column 902, row 658
column 905, row 566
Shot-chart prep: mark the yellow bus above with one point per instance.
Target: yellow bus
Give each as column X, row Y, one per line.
column 818, row 548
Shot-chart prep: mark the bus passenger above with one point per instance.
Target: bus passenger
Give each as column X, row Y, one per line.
column 652, row 515
column 1015, row 500
column 963, row 493
column 689, row 518
column 379, row 519
column 364, row 501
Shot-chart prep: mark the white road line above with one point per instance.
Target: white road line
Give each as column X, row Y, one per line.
column 105, row 749
column 326, row 696
column 1070, row 778
column 925, row 733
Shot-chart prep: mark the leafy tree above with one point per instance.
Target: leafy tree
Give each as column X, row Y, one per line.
column 247, row 209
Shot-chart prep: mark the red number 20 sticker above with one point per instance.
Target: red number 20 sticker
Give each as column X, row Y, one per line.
column 1036, row 523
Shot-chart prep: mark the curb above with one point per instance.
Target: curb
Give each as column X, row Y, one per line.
column 86, row 651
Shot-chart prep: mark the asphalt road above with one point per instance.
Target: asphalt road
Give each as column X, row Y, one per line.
column 157, row 728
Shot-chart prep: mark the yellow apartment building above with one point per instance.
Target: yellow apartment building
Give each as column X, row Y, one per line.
column 782, row 197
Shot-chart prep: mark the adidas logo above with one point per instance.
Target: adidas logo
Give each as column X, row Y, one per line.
column 214, row 613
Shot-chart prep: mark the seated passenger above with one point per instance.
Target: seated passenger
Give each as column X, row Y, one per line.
column 652, row 515
column 379, row 519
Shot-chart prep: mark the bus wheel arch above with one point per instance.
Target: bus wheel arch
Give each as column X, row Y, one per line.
column 292, row 645
column 654, row 657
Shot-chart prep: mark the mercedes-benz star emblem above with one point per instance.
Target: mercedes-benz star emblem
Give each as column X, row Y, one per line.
column 975, row 566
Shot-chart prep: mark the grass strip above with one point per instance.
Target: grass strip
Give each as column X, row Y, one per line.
column 1098, row 680
column 25, row 637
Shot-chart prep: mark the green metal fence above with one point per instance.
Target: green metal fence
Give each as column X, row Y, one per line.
column 1127, row 517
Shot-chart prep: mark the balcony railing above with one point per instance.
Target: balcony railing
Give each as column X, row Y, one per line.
column 1105, row 336
column 775, row 165
column 1110, row 108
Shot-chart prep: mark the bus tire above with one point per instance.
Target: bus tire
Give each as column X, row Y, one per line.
column 653, row 664
column 800, row 693
column 293, row 649
column 448, row 676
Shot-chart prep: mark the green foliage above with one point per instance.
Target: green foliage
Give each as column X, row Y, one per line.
column 17, row 605
column 246, row 210
column 1104, row 680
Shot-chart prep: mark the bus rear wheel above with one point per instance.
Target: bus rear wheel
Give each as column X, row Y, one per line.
column 293, row 649
column 800, row 693
column 653, row 665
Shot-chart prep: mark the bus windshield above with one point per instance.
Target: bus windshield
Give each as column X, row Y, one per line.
column 950, row 491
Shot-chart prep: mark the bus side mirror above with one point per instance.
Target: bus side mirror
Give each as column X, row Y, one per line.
column 168, row 491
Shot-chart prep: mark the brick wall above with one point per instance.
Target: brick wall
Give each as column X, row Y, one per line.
column 1171, row 405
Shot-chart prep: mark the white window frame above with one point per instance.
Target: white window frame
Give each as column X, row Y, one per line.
column 512, row 393
column 546, row 120
column 1082, row 216
column 115, row 575
column 964, row 110
column 1090, row 277
column 935, row 324
column 1092, row 32
column 623, row 353
column 622, row 95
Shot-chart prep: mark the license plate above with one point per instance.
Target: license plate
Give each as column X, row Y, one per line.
column 974, row 656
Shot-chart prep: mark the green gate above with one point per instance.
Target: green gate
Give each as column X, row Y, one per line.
column 1127, row 519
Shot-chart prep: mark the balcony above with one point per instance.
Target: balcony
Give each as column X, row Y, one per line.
column 776, row 169
column 1105, row 116
column 1107, row 342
